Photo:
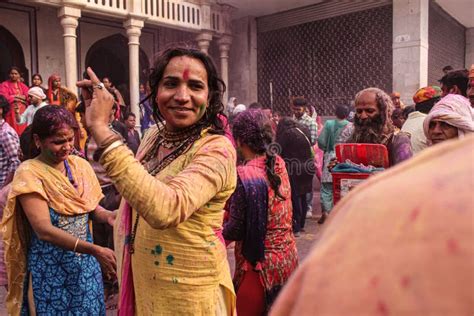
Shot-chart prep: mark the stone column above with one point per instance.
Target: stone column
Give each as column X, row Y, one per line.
column 69, row 20
column 410, row 47
column 133, row 27
column 204, row 40
column 224, row 47
column 243, row 61
column 469, row 47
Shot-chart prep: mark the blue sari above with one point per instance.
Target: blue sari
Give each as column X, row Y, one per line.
column 64, row 282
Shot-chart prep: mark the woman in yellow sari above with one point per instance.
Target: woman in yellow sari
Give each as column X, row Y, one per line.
column 52, row 264
column 169, row 245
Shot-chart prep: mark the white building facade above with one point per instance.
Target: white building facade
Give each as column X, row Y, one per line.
column 120, row 39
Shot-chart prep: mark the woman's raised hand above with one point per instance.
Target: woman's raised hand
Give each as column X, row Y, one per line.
column 98, row 101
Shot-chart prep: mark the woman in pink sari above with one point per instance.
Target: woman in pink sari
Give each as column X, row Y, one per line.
column 16, row 92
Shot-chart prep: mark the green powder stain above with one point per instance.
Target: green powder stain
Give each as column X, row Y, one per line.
column 175, row 280
column 212, row 244
column 157, row 263
column 49, row 155
column 202, row 109
column 158, row 249
column 170, row 259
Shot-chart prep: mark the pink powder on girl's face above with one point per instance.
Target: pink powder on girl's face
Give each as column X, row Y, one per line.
column 186, row 74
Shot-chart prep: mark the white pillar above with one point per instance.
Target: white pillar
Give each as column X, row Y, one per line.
column 133, row 27
column 469, row 47
column 204, row 40
column 224, row 47
column 243, row 61
column 69, row 20
column 410, row 47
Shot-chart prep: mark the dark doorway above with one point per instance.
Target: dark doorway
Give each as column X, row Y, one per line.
column 11, row 54
column 108, row 57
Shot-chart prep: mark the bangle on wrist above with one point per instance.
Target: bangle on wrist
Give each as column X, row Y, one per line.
column 75, row 245
column 109, row 140
column 115, row 144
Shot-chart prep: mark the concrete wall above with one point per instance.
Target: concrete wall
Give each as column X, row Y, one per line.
column 410, row 47
column 50, row 44
column 469, row 47
column 447, row 43
column 243, row 61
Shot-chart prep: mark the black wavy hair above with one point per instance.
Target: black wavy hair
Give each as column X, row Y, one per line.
column 253, row 128
column 215, row 84
column 341, row 112
column 36, row 75
column 459, row 78
column 15, row 68
column 46, row 122
column 426, row 106
column 4, row 105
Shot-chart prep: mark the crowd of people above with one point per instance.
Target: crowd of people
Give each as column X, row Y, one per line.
column 165, row 202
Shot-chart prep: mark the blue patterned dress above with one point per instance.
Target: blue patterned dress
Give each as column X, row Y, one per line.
column 64, row 282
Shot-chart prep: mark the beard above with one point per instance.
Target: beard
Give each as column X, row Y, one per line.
column 369, row 130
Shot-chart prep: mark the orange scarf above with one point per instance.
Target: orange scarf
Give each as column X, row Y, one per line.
column 34, row 176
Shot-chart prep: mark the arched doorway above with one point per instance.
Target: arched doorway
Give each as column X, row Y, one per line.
column 11, row 54
column 109, row 58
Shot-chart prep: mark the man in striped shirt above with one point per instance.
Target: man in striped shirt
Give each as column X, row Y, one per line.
column 299, row 107
column 9, row 146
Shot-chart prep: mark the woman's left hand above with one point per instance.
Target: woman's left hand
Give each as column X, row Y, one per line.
column 98, row 104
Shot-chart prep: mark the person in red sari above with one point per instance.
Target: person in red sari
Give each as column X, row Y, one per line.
column 58, row 95
column 61, row 96
column 260, row 217
column 16, row 93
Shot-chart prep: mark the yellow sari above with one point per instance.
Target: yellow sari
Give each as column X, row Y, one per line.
column 179, row 263
column 34, row 176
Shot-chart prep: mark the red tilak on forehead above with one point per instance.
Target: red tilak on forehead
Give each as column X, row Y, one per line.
column 186, row 74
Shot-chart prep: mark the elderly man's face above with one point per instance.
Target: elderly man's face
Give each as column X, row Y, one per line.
column 396, row 101
column 439, row 131
column 470, row 91
column 366, row 106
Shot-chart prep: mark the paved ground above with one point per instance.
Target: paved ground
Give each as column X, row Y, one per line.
column 304, row 245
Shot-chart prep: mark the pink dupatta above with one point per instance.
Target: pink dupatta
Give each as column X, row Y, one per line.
column 127, row 292
column 122, row 237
